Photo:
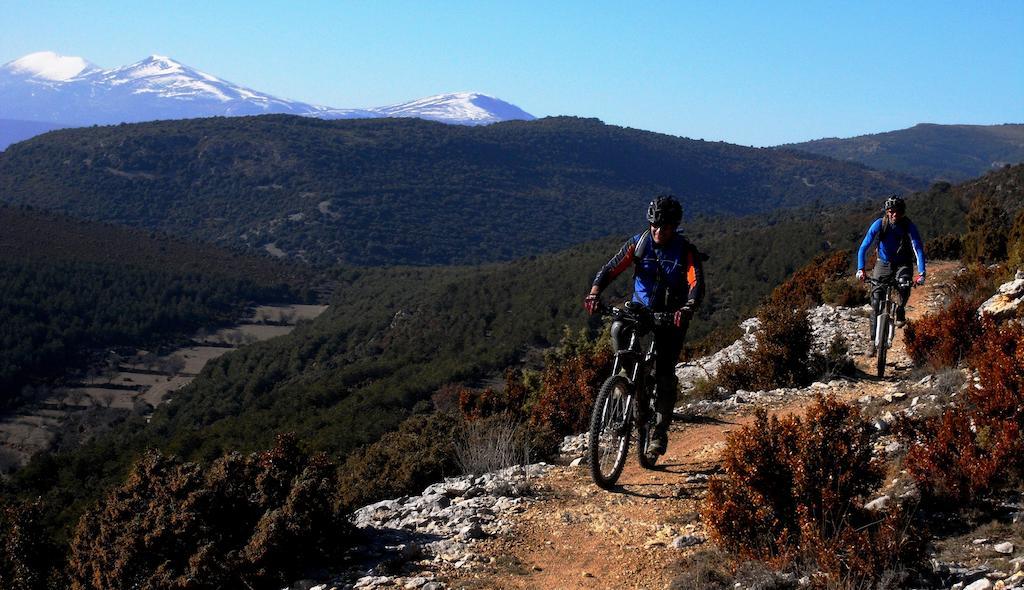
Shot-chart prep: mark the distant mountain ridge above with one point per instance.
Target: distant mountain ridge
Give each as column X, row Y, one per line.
column 407, row 191
column 47, row 87
column 12, row 131
column 933, row 152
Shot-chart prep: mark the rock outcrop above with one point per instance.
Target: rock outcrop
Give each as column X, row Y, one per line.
column 827, row 322
column 1007, row 301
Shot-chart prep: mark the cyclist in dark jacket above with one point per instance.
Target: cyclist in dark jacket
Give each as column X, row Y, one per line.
column 667, row 277
column 898, row 244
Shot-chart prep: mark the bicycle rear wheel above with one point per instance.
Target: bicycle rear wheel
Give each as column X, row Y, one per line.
column 644, row 432
column 647, row 460
column 610, row 426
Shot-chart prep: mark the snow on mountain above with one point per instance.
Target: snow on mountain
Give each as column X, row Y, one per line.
column 47, row 65
column 157, row 87
column 47, row 87
column 463, row 108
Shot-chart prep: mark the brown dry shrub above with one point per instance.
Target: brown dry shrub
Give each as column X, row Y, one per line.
column 999, row 358
column 752, row 510
column 866, row 557
column 945, row 338
column 511, row 399
column 976, row 446
column 959, row 457
column 975, row 282
column 27, row 561
column 568, row 385
column 793, row 490
column 492, row 443
column 248, row 521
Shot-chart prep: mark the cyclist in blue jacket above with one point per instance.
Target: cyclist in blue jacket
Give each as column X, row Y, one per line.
column 898, row 243
column 667, row 277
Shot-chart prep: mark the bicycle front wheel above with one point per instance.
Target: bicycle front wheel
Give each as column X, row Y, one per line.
column 883, row 342
column 610, row 427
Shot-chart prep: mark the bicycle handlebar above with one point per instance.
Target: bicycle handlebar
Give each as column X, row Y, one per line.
column 889, row 281
column 638, row 313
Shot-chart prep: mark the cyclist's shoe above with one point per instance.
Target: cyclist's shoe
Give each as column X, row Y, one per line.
column 872, row 350
column 659, row 442
column 901, row 317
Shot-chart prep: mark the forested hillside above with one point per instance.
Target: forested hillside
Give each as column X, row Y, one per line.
column 934, row 152
column 394, row 336
column 68, row 287
column 371, row 192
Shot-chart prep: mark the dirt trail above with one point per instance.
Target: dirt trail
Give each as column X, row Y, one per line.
column 580, row 536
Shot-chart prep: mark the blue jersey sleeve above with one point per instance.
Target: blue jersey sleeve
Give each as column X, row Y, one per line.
column 915, row 241
column 866, row 244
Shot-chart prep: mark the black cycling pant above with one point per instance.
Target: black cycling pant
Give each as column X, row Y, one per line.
column 883, row 270
column 668, row 341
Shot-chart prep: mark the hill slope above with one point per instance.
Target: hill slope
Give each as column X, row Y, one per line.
column 394, row 335
column 933, row 152
column 406, row 191
column 67, row 287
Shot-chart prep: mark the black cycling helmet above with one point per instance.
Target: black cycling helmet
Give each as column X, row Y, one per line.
column 665, row 210
column 896, row 203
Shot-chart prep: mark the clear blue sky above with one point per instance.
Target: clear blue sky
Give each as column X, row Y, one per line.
column 753, row 73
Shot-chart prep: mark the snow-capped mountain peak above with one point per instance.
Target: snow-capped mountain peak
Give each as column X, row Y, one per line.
column 48, row 87
column 154, row 65
column 465, row 108
column 47, row 65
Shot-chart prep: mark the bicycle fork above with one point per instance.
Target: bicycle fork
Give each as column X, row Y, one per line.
column 885, row 326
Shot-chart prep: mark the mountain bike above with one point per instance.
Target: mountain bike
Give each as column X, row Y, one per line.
column 626, row 398
column 885, row 320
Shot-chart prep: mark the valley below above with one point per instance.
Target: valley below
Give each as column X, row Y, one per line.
column 126, row 380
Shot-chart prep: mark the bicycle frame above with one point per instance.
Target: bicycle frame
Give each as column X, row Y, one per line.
column 884, row 329
column 626, row 398
column 636, row 363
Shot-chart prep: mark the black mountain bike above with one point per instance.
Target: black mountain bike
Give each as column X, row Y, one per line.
column 626, row 397
column 885, row 320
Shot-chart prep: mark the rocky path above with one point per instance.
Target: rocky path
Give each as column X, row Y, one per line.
column 576, row 535
column 550, row 527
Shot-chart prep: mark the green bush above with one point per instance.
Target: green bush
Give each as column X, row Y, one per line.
column 781, row 355
column 1015, row 242
column 807, row 285
column 945, row 247
column 987, row 231
column 844, row 292
column 402, row 462
column 247, row 521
